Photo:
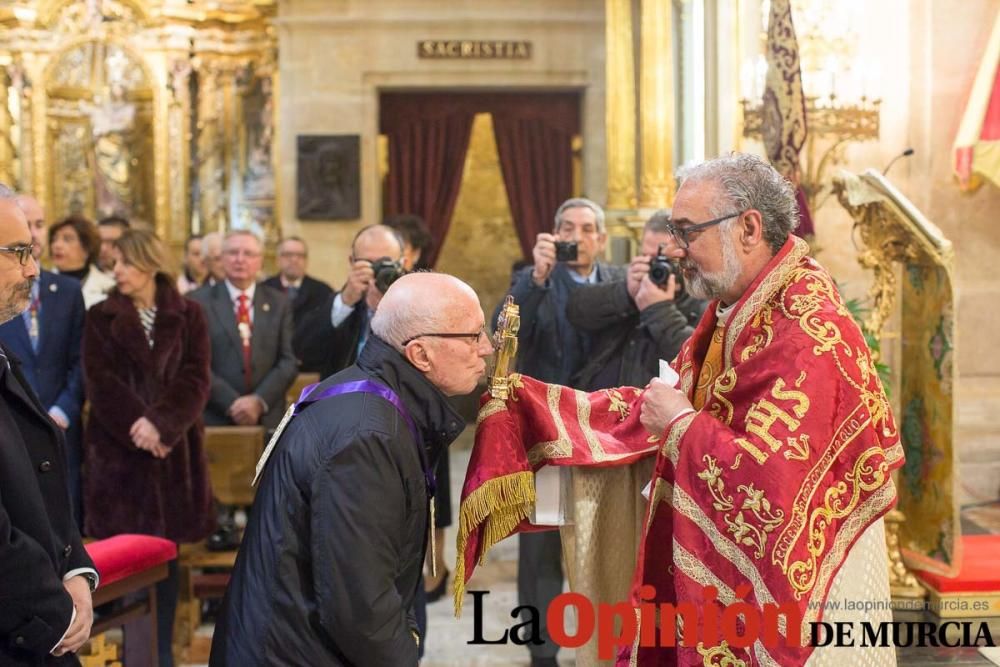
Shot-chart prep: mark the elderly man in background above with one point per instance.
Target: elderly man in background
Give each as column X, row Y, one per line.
column 306, row 294
column 46, row 576
column 333, row 552
column 251, row 330
column 341, row 328
column 635, row 320
column 47, row 338
column 553, row 349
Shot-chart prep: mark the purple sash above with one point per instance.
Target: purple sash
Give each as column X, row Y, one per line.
column 369, row 387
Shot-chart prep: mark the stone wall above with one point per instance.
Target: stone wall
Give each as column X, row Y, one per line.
column 336, row 55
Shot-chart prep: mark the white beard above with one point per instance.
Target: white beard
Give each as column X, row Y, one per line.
column 709, row 286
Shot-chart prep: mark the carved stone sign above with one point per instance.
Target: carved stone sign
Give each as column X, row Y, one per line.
column 474, row 49
column 328, row 184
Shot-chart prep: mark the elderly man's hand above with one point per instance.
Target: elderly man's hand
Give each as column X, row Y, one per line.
column 79, row 630
column 544, row 256
column 661, row 403
column 358, row 280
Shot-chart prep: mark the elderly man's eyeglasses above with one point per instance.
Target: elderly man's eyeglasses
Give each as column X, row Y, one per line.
column 474, row 337
column 682, row 234
column 23, row 252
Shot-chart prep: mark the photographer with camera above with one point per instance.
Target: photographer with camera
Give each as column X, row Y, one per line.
column 553, row 350
column 376, row 261
column 638, row 320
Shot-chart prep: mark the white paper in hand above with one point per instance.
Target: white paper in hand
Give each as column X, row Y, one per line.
column 668, row 374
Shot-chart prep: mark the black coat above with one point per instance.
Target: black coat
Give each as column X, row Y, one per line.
column 39, row 541
column 336, row 347
column 628, row 344
column 127, row 489
column 334, row 547
column 308, row 344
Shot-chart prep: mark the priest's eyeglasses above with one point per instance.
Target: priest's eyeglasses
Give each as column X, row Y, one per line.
column 23, row 252
column 682, row 234
column 474, row 337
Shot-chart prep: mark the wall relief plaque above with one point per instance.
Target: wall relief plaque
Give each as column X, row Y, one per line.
column 328, row 183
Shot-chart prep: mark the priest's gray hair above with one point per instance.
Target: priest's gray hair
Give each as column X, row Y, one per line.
column 581, row 202
column 420, row 303
column 7, row 192
column 748, row 182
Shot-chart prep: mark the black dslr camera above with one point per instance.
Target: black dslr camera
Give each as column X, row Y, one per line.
column 660, row 269
column 387, row 272
column 566, row 251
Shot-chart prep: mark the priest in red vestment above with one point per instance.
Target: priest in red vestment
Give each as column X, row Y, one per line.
column 773, row 452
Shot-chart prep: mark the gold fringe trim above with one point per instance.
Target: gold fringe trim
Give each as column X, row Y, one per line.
column 501, row 503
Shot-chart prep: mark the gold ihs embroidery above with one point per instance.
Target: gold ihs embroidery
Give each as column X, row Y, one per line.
column 764, row 414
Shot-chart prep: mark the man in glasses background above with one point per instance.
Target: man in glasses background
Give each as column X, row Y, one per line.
column 46, row 338
column 552, row 349
column 635, row 320
column 332, row 556
column 46, row 577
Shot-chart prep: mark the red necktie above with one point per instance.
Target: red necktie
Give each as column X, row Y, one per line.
column 245, row 329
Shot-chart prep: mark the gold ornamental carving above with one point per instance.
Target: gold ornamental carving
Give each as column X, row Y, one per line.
column 899, row 241
column 620, row 119
column 656, row 91
column 107, row 104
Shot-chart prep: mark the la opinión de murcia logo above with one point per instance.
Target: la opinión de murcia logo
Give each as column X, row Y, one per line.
column 710, row 624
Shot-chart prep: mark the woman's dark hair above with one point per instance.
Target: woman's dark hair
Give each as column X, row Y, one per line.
column 85, row 230
column 414, row 231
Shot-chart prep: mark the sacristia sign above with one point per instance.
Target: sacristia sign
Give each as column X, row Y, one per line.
column 474, row 49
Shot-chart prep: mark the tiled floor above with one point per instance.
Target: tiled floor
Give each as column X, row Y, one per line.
column 447, row 636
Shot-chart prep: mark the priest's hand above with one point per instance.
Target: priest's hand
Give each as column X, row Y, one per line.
column 661, row 404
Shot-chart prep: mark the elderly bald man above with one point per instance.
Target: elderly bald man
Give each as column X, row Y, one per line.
column 332, row 554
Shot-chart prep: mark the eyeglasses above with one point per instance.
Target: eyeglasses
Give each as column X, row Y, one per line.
column 23, row 252
column 683, row 234
column 474, row 337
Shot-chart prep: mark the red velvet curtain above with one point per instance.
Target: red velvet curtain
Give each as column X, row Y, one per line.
column 429, row 137
column 536, row 156
column 427, row 146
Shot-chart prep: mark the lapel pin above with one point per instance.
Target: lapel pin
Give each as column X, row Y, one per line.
column 266, row 307
column 53, row 287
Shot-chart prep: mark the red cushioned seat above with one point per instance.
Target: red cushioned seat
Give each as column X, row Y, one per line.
column 122, row 556
column 980, row 571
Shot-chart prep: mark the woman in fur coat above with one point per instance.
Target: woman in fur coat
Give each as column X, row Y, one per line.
column 146, row 357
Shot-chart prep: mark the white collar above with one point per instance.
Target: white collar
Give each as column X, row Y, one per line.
column 234, row 292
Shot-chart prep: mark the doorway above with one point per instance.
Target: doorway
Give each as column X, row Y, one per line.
column 486, row 171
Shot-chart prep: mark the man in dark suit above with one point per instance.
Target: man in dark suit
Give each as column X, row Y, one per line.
column 306, row 294
column 46, row 577
column 251, row 330
column 342, row 324
column 46, row 338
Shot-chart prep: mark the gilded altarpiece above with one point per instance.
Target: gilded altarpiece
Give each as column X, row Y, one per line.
column 159, row 110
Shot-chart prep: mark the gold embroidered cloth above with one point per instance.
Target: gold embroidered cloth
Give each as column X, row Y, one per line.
column 765, row 490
